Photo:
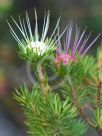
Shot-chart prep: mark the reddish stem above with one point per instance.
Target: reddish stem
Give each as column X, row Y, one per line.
column 98, row 95
column 77, row 104
column 42, row 80
column 99, row 131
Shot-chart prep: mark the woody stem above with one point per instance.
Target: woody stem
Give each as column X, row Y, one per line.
column 42, row 80
column 78, row 106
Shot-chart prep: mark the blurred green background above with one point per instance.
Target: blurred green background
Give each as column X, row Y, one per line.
column 13, row 69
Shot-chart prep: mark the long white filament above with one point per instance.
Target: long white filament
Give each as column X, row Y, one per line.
column 29, row 26
column 46, row 27
column 36, row 27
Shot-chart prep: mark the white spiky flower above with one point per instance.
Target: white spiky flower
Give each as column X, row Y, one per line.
column 39, row 45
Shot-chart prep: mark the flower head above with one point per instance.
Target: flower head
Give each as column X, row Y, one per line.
column 78, row 46
column 38, row 45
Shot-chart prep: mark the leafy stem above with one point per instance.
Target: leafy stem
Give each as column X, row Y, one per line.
column 42, row 80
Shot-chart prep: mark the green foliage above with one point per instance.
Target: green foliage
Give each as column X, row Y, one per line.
column 97, row 118
column 84, row 68
column 99, row 62
column 89, row 66
column 49, row 116
column 77, row 130
column 63, row 70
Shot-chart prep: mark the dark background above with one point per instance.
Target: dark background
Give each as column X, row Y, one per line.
column 13, row 69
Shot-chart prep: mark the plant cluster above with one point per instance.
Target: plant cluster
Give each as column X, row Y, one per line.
column 58, row 108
